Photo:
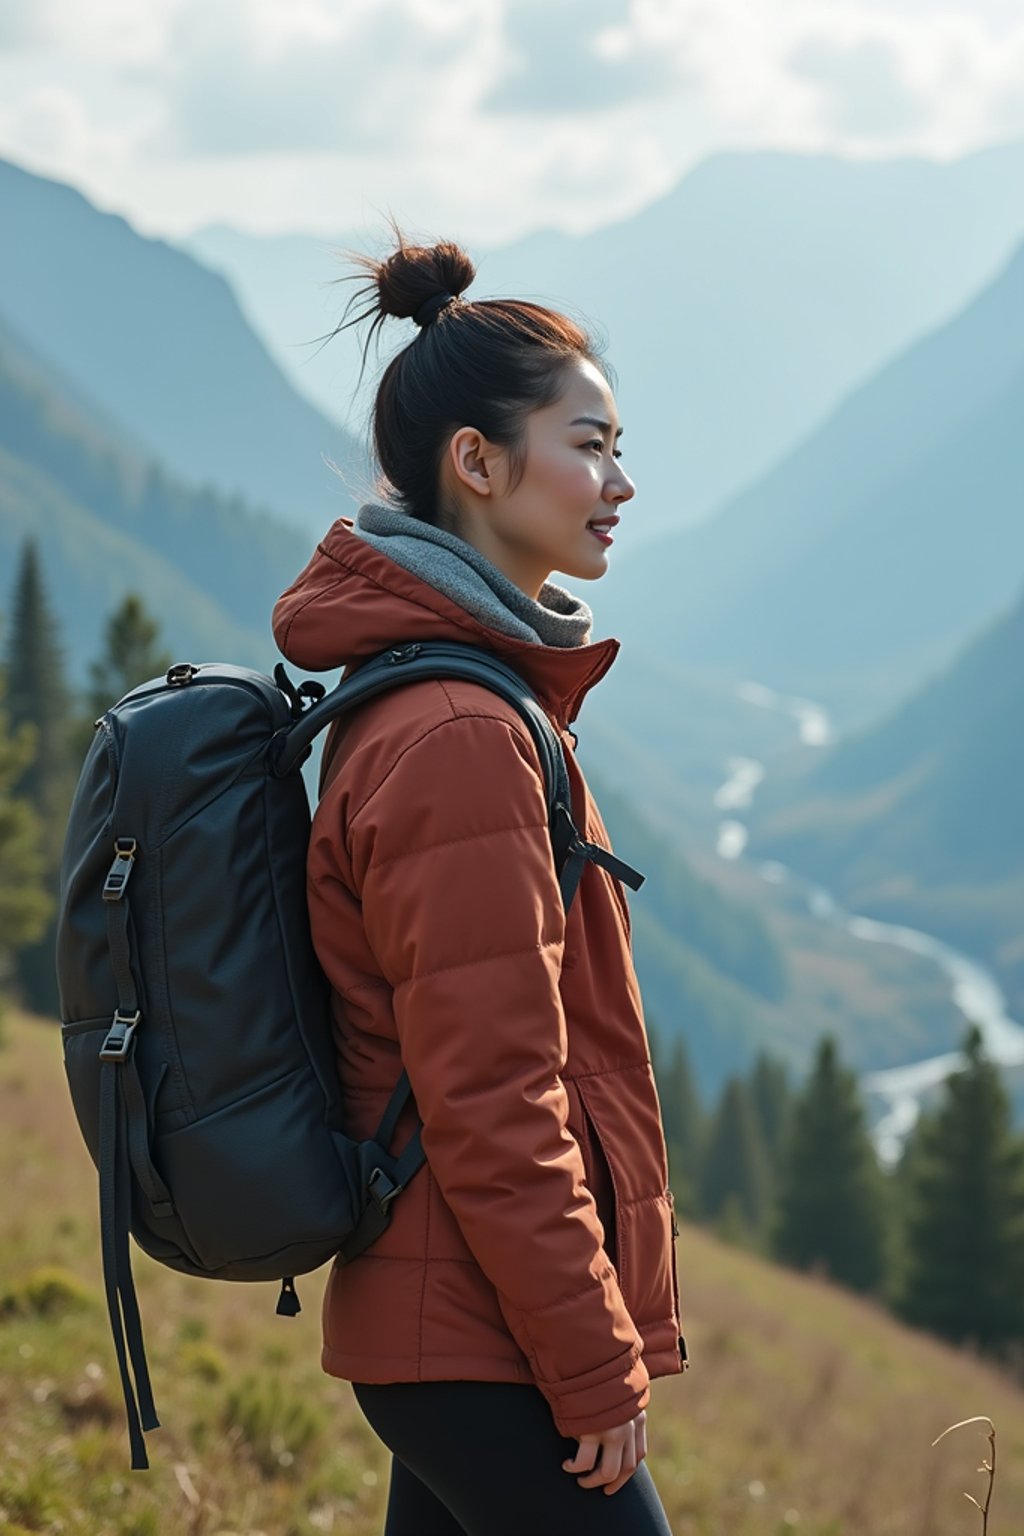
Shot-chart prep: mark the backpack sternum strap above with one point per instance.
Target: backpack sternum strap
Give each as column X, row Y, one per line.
column 573, row 851
column 384, row 1177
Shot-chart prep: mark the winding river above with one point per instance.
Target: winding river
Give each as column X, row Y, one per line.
column 893, row 1095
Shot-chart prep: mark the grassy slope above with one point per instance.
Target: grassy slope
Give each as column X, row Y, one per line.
column 806, row 1411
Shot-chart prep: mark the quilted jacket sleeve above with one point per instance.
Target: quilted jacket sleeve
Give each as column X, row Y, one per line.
column 452, row 858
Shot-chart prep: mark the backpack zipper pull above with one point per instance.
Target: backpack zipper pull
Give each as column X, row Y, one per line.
column 288, row 1303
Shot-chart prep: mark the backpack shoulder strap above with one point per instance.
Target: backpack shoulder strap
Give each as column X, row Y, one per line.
column 411, row 663
column 452, row 658
column 393, row 668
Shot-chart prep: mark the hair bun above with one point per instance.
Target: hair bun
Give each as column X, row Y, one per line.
column 415, row 273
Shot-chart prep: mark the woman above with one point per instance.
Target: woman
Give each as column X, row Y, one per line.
column 502, row 1333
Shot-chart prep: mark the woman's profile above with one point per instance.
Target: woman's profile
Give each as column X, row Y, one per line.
column 502, row 1333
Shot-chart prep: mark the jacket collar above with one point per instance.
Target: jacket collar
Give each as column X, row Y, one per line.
column 352, row 601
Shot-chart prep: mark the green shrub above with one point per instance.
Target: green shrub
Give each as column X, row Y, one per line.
column 142, row 1523
column 192, row 1327
column 204, row 1361
column 26, row 1495
column 46, row 1292
column 278, row 1426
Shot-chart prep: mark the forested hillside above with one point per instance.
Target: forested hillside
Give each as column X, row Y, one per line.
column 805, row 1408
column 920, row 819
column 210, row 568
column 158, row 343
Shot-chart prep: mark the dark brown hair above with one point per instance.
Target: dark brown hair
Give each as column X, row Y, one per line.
column 487, row 364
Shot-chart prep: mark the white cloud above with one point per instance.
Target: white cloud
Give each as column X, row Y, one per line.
column 494, row 115
column 251, row 77
column 52, row 123
column 24, row 26
column 100, row 31
column 576, row 56
column 864, row 87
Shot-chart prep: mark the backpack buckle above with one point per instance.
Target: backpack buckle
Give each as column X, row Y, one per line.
column 181, row 673
column 382, row 1189
column 117, row 874
column 118, row 1043
column 399, row 653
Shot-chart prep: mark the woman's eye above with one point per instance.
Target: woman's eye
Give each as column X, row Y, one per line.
column 596, row 442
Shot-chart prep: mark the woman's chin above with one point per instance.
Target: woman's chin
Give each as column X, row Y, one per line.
column 590, row 568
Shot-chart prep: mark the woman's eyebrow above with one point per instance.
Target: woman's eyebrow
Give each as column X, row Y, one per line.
column 595, row 421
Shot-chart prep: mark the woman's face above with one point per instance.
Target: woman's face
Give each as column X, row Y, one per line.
column 572, row 480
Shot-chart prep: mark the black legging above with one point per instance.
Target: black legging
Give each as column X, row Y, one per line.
column 482, row 1458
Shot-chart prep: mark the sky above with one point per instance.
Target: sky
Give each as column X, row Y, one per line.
column 479, row 120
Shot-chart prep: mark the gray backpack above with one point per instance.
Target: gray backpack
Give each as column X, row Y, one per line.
column 195, row 1016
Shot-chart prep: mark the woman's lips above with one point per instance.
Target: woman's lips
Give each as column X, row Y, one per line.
column 601, row 528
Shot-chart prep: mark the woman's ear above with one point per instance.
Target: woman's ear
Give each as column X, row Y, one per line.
column 471, row 457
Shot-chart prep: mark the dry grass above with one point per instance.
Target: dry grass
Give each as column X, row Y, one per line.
column 807, row 1411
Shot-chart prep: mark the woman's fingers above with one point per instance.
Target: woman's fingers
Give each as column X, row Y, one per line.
column 630, row 1462
column 608, row 1467
column 610, row 1458
column 586, row 1456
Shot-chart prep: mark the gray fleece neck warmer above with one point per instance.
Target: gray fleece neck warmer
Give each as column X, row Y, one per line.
column 461, row 572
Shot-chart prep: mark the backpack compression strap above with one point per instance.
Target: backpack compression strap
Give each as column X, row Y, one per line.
column 123, row 1149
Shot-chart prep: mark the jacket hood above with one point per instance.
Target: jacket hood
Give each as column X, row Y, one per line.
column 352, row 601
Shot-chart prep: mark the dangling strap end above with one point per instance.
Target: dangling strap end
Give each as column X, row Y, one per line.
column 288, row 1303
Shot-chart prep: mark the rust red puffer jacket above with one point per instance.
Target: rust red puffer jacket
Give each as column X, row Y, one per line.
column 537, row 1242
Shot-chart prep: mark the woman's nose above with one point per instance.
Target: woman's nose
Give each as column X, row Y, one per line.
column 621, row 487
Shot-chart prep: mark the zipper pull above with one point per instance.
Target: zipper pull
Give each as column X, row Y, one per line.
column 607, row 860
column 288, row 1304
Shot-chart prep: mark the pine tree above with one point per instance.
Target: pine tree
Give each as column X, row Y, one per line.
column 24, row 905
column 734, row 1163
column 830, row 1209
column 771, row 1096
column 131, row 655
column 771, row 1101
column 682, row 1115
column 964, row 1232
column 38, row 697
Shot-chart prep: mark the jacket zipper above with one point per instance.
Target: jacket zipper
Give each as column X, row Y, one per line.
column 615, row 1257
column 684, row 1357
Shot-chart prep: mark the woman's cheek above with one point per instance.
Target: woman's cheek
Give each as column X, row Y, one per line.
column 578, row 478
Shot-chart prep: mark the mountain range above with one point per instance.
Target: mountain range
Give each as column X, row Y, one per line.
column 892, row 500
column 158, row 344
column 868, row 555
column 919, row 818
column 738, row 309
column 112, row 521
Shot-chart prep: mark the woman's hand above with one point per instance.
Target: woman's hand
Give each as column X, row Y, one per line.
column 612, row 1456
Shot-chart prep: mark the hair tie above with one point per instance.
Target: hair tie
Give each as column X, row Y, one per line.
column 432, row 307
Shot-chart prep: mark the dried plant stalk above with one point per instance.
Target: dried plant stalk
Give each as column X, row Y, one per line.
column 988, row 1466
